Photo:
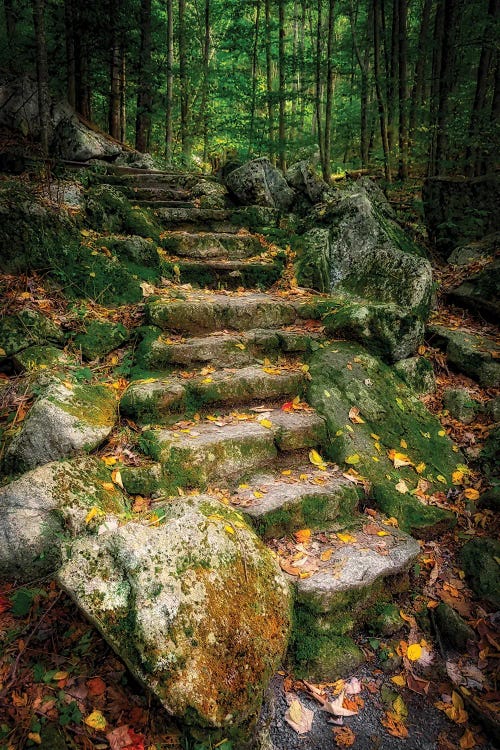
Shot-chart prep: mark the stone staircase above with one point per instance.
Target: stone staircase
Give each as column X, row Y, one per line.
column 222, row 402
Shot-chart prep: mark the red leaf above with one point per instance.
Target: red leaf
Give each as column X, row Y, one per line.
column 288, row 406
column 5, row 604
column 96, row 686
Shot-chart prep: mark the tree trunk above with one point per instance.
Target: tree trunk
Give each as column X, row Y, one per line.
column 319, row 127
column 206, row 81
column 363, row 60
column 170, row 83
column 282, row 85
column 184, row 85
column 479, row 116
column 378, row 88
column 301, row 75
column 446, row 82
column 325, row 167
column 420, row 67
column 255, row 60
column 70, row 52
column 123, row 96
column 82, row 62
column 42, row 72
column 269, row 81
column 145, row 93
column 114, row 72
column 437, row 54
column 392, row 91
column 403, row 90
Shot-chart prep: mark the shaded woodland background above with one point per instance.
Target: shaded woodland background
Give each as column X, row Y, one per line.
column 400, row 84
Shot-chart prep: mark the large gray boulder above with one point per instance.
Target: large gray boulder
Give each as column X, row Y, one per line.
column 66, row 419
column 27, row 328
column 259, row 183
column 302, row 178
column 480, row 292
column 48, row 505
column 196, row 607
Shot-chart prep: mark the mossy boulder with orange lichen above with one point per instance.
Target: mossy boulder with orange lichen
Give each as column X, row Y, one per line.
column 196, row 606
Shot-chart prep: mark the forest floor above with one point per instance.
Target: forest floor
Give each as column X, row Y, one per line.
column 61, row 685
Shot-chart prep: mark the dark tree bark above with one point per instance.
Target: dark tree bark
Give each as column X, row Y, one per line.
column 403, row 89
column 114, row 73
column 70, row 52
column 206, row 80
column 282, row 85
column 184, row 85
column 378, row 87
column 318, row 81
column 145, row 92
column 255, row 60
column 392, row 89
column 450, row 21
column 437, row 54
column 123, row 95
column 325, row 167
column 42, row 72
column 479, row 116
column 269, row 81
column 82, row 62
column 417, row 91
column 170, row 83
column 363, row 59
column 10, row 25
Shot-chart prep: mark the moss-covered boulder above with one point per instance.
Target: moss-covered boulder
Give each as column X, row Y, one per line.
column 387, row 330
column 480, row 292
column 196, row 607
column 475, row 355
column 452, row 627
column 480, row 559
column 140, row 251
column 65, row 419
column 149, row 401
column 25, row 329
column 48, row 505
column 41, row 357
column 108, row 209
column 393, row 441
column 417, row 373
column 460, row 405
column 259, row 183
column 99, row 338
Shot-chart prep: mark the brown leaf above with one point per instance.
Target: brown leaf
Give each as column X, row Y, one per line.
column 299, row 717
column 344, row 737
column 96, row 686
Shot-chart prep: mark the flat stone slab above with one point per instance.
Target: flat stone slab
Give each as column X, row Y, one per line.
column 297, row 429
column 202, row 217
column 202, row 245
column 66, row 419
column 217, row 312
column 43, row 506
column 303, row 497
column 146, row 400
column 475, row 356
column 356, row 565
column 250, row 383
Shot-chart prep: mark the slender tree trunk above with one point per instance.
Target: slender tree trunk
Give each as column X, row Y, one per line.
column 319, row 127
column 10, row 21
column 269, row 81
column 282, row 85
column 170, row 83
column 403, row 89
column 364, row 67
column 69, row 32
column 495, row 104
column 446, row 81
column 437, row 55
column 123, row 95
column 420, row 67
column 478, row 115
column 82, row 62
column 325, row 167
column 301, row 75
column 42, row 72
column 392, row 90
column 145, row 93
column 378, row 88
column 255, row 60
column 114, row 71
column 184, row 85
column 295, row 68
column 206, row 80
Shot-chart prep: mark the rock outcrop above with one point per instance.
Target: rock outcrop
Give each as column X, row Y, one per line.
column 259, row 183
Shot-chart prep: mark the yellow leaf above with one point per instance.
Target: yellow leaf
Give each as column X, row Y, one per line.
column 399, row 679
column 420, row 468
column 243, row 486
column 316, row 459
column 85, row 232
column 441, row 433
column 266, row 423
column 421, row 350
column 258, row 494
column 35, row 737
column 241, row 346
column 108, row 486
column 2, row 352
column 374, row 436
column 207, row 380
column 109, row 460
column 354, row 416
column 457, row 477
column 467, row 740
column 399, row 459
column 325, row 556
column 305, row 368
column 339, row 433
column 96, row 720
column 346, row 538
column 399, row 707
column 414, row 652
column 471, row 494
column 441, row 479
column 116, row 477
column 403, row 444
column 286, row 472
column 229, row 529
column 383, row 533
column 353, row 460
column 327, row 393
column 302, row 536
column 93, row 512
column 60, row 676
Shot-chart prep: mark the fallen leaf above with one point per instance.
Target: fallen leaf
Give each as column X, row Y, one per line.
column 35, row 737
column 303, row 536
column 96, row 686
column 336, row 707
column 326, row 555
column 5, row 604
column 467, row 740
column 402, row 487
column 399, row 459
column 266, row 423
column 353, row 687
column 414, row 652
column 299, row 717
column 117, row 478
column 93, row 512
column 353, row 460
column 354, row 416
column 316, row 459
column 471, row 494
column 96, row 720
column 346, row 538
column 394, row 725
column 399, row 679
column 344, row 737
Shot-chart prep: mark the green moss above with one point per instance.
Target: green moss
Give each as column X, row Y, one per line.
column 93, row 404
column 384, row 619
column 108, row 209
column 252, row 275
column 100, row 338
column 480, row 561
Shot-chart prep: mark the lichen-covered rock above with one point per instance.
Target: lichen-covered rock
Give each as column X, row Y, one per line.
column 387, row 330
column 100, row 338
column 469, row 252
column 417, row 373
column 25, row 329
column 475, row 355
column 313, row 270
column 452, row 628
column 44, row 507
column 211, row 194
column 457, row 208
column 41, row 357
column 73, row 141
column 196, row 607
column 108, row 209
column 255, row 217
column 64, row 420
column 460, row 405
column 302, row 177
column 150, row 401
column 479, row 559
column 480, row 292
column 345, row 376
column 139, row 250
column 259, row 183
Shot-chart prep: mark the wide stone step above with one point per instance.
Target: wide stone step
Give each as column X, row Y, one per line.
column 154, row 204
column 205, row 453
column 217, row 312
column 212, row 245
column 295, row 499
column 152, row 400
column 223, row 274
column 198, row 217
column 155, row 193
column 221, row 349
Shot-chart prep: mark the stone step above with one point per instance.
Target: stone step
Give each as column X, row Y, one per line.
column 155, row 204
column 155, row 193
column 223, row 274
column 208, row 453
column 204, row 313
column 142, row 178
column 221, row 349
column 340, row 576
column 203, row 245
column 154, row 399
column 304, row 497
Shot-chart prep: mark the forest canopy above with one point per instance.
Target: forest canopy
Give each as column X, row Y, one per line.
column 396, row 84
